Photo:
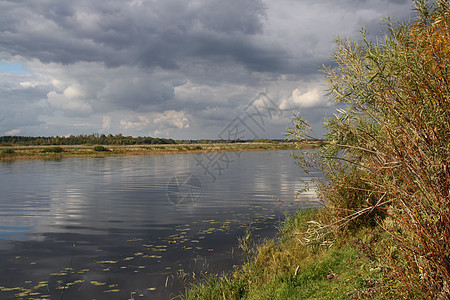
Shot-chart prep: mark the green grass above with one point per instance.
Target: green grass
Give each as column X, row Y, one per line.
column 287, row 269
column 53, row 150
column 311, row 280
column 99, row 148
column 8, row 151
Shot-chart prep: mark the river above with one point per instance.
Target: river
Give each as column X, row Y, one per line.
column 136, row 227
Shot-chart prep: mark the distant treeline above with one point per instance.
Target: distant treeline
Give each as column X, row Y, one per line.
column 118, row 139
column 93, row 139
column 206, row 141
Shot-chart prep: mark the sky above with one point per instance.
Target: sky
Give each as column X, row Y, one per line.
column 182, row 69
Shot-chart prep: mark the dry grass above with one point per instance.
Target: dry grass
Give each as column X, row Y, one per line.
column 42, row 152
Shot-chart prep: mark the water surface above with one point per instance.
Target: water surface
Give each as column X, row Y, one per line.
column 132, row 227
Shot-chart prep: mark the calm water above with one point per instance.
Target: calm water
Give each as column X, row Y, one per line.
column 130, row 227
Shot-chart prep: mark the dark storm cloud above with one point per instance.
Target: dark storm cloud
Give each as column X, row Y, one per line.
column 148, row 66
column 137, row 93
column 148, row 33
column 162, row 34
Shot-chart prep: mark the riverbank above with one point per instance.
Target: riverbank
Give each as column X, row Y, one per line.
column 300, row 265
column 10, row 153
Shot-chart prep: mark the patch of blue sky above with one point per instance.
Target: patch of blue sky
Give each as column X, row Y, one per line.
column 13, row 68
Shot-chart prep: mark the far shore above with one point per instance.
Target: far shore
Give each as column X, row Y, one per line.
column 64, row 151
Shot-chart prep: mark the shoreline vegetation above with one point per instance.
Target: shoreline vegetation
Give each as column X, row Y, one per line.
column 296, row 265
column 20, row 152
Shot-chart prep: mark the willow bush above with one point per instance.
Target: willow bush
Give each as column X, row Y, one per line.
column 386, row 155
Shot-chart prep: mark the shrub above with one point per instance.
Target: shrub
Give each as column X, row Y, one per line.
column 388, row 151
column 8, row 151
column 53, row 150
column 99, row 148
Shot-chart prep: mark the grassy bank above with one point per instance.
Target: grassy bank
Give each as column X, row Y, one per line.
column 8, row 153
column 290, row 267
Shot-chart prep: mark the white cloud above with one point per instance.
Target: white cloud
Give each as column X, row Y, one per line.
column 68, row 102
column 139, row 122
column 13, row 132
column 72, row 92
column 28, row 84
column 155, row 123
column 303, row 98
column 106, row 123
column 172, row 118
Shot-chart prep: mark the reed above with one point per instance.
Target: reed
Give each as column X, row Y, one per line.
column 386, row 155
